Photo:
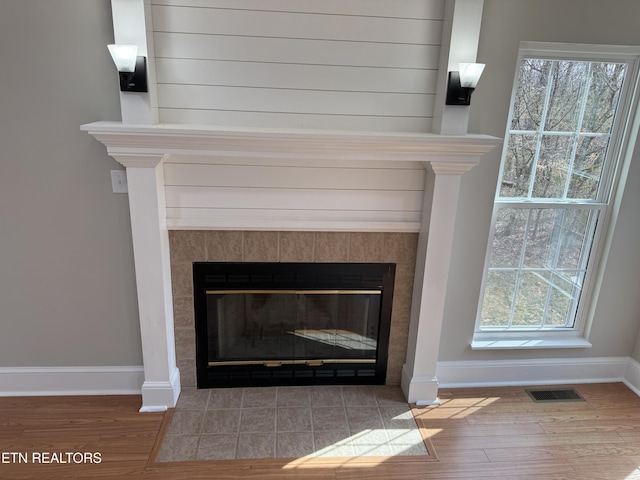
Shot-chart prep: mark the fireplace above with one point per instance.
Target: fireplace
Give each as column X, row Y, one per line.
column 292, row 323
column 264, row 181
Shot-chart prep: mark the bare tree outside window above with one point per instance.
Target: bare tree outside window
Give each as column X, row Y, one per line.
column 551, row 192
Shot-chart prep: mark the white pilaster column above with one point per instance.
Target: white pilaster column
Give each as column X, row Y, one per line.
column 419, row 382
column 132, row 26
column 145, row 178
column 460, row 37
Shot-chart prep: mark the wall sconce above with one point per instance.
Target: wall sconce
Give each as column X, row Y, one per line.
column 463, row 83
column 131, row 67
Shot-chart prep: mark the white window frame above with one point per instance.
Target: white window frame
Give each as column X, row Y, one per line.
column 620, row 150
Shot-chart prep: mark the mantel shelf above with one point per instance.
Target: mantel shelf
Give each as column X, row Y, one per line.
column 161, row 140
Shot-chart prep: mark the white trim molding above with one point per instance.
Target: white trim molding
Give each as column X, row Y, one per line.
column 632, row 376
column 144, row 140
column 41, row 381
column 158, row 396
column 539, row 371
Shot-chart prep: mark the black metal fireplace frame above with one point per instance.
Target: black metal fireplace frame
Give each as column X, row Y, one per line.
column 209, row 276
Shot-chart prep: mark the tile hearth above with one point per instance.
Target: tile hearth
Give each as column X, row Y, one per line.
column 291, row 422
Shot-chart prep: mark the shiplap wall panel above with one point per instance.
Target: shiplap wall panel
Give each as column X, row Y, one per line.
column 289, row 120
column 297, row 63
column 293, row 101
column 296, row 51
column 425, row 9
column 230, row 192
column 248, row 161
column 294, row 76
column 307, row 220
column 262, row 23
column 197, row 175
column 184, row 216
column 292, row 199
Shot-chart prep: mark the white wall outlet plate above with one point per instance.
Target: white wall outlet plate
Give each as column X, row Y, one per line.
column 119, row 181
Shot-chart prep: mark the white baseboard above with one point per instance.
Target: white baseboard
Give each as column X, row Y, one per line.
column 419, row 390
column 632, row 376
column 544, row 371
column 41, row 381
column 159, row 396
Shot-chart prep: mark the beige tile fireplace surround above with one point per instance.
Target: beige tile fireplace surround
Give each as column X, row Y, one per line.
column 187, row 246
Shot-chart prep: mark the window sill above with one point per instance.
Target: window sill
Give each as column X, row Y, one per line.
column 485, row 342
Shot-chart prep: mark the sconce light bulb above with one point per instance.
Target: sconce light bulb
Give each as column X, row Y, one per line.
column 470, row 74
column 124, row 56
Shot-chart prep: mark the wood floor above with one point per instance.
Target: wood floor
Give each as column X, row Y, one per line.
column 489, row 433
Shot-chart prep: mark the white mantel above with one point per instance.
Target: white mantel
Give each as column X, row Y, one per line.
column 143, row 149
column 460, row 151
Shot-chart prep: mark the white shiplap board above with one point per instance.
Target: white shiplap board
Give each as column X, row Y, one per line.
column 294, row 101
column 306, row 120
column 425, row 9
column 296, row 25
column 212, row 192
column 294, row 76
column 299, row 51
column 352, row 64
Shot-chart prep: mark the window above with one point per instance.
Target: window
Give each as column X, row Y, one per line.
column 556, row 183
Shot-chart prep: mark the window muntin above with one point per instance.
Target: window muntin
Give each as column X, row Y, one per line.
column 537, row 267
column 552, row 193
column 561, row 122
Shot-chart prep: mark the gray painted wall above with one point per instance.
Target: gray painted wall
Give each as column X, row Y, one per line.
column 67, row 285
column 506, row 23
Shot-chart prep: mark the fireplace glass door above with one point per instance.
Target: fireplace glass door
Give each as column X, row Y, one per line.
column 289, row 326
column 322, row 324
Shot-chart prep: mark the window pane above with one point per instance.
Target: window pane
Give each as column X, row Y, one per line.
column 553, row 166
column 531, row 299
column 587, row 167
column 517, row 166
column 510, row 228
column 498, row 298
column 557, row 238
column 561, row 297
column 542, row 228
column 567, row 87
column 604, row 93
column 530, row 94
column 574, row 240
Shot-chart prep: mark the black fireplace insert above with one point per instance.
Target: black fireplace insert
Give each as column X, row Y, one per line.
column 261, row 324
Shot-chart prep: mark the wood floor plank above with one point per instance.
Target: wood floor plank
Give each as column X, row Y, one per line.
column 563, row 418
column 532, row 469
column 524, row 441
column 584, row 426
column 605, row 467
column 483, row 430
column 577, row 452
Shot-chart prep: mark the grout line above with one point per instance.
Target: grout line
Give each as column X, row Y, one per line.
column 235, row 456
column 313, row 434
column 195, row 456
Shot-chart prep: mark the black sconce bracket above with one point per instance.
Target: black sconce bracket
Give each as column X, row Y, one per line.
column 457, row 94
column 135, row 81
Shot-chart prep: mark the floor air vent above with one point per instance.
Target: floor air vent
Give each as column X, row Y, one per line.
column 555, row 395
